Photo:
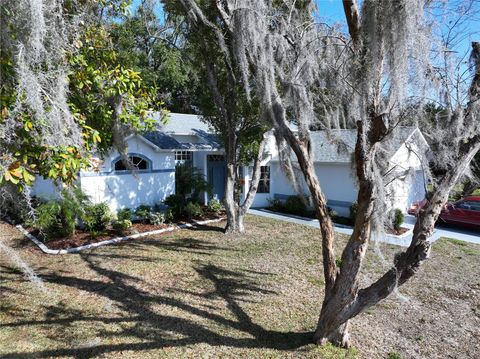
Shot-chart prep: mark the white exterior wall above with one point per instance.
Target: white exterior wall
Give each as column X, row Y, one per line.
column 410, row 185
column 160, row 159
column 123, row 189
column 336, row 181
column 45, row 188
column 403, row 192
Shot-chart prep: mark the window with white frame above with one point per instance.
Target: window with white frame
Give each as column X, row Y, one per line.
column 183, row 156
column 137, row 162
column 264, row 183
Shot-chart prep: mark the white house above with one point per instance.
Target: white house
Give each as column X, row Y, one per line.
column 187, row 138
column 333, row 153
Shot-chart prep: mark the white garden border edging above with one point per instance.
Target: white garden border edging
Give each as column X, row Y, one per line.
column 47, row 250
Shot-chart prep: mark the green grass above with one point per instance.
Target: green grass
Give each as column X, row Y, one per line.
column 465, row 247
column 186, row 294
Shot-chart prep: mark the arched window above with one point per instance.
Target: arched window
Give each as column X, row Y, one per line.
column 139, row 163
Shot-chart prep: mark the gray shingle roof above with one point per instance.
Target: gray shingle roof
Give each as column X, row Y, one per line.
column 182, row 124
column 337, row 146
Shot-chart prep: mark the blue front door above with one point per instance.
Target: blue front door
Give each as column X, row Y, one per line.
column 216, row 175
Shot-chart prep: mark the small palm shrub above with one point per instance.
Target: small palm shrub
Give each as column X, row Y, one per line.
column 55, row 220
column 142, row 212
column 193, row 209
column 58, row 218
column 190, row 182
column 214, row 206
column 121, row 225
column 124, row 214
column 176, row 204
column 296, row 205
column 96, row 217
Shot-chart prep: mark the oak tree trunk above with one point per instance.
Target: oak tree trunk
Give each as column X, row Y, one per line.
column 236, row 210
column 229, row 200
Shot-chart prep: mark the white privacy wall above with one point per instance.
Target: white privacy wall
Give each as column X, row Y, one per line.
column 127, row 190
column 45, row 188
column 136, row 145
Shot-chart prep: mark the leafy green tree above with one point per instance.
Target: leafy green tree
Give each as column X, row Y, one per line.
column 224, row 104
column 104, row 92
column 105, row 99
column 154, row 47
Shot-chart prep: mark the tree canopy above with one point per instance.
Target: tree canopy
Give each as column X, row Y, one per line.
column 65, row 92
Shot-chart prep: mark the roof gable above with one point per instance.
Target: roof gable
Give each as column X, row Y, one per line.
column 338, row 146
column 164, row 137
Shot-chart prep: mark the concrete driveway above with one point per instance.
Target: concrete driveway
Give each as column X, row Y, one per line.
column 448, row 231
column 471, row 236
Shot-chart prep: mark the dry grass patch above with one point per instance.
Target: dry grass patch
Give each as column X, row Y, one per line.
column 197, row 293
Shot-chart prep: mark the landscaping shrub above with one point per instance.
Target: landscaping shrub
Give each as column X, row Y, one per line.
column 296, row 205
column 276, row 205
column 124, row 214
column 193, row 209
column 58, row 218
column 214, row 206
column 176, row 204
column 179, row 208
column 142, row 212
column 353, row 210
column 398, row 219
column 169, row 216
column 332, row 213
column 190, row 182
column 96, row 217
column 156, row 218
column 122, row 225
column 55, row 220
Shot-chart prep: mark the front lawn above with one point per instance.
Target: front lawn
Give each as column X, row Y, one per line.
column 196, row 293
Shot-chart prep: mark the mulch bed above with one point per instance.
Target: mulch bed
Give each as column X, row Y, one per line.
column 397, row 232
column 82, row 238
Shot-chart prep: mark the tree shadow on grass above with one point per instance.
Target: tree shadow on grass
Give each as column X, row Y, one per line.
column 182, row 244
column 143, row 328
column 9, row 274
column 204, row 227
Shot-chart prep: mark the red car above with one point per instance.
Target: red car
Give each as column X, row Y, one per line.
column 465, row 212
